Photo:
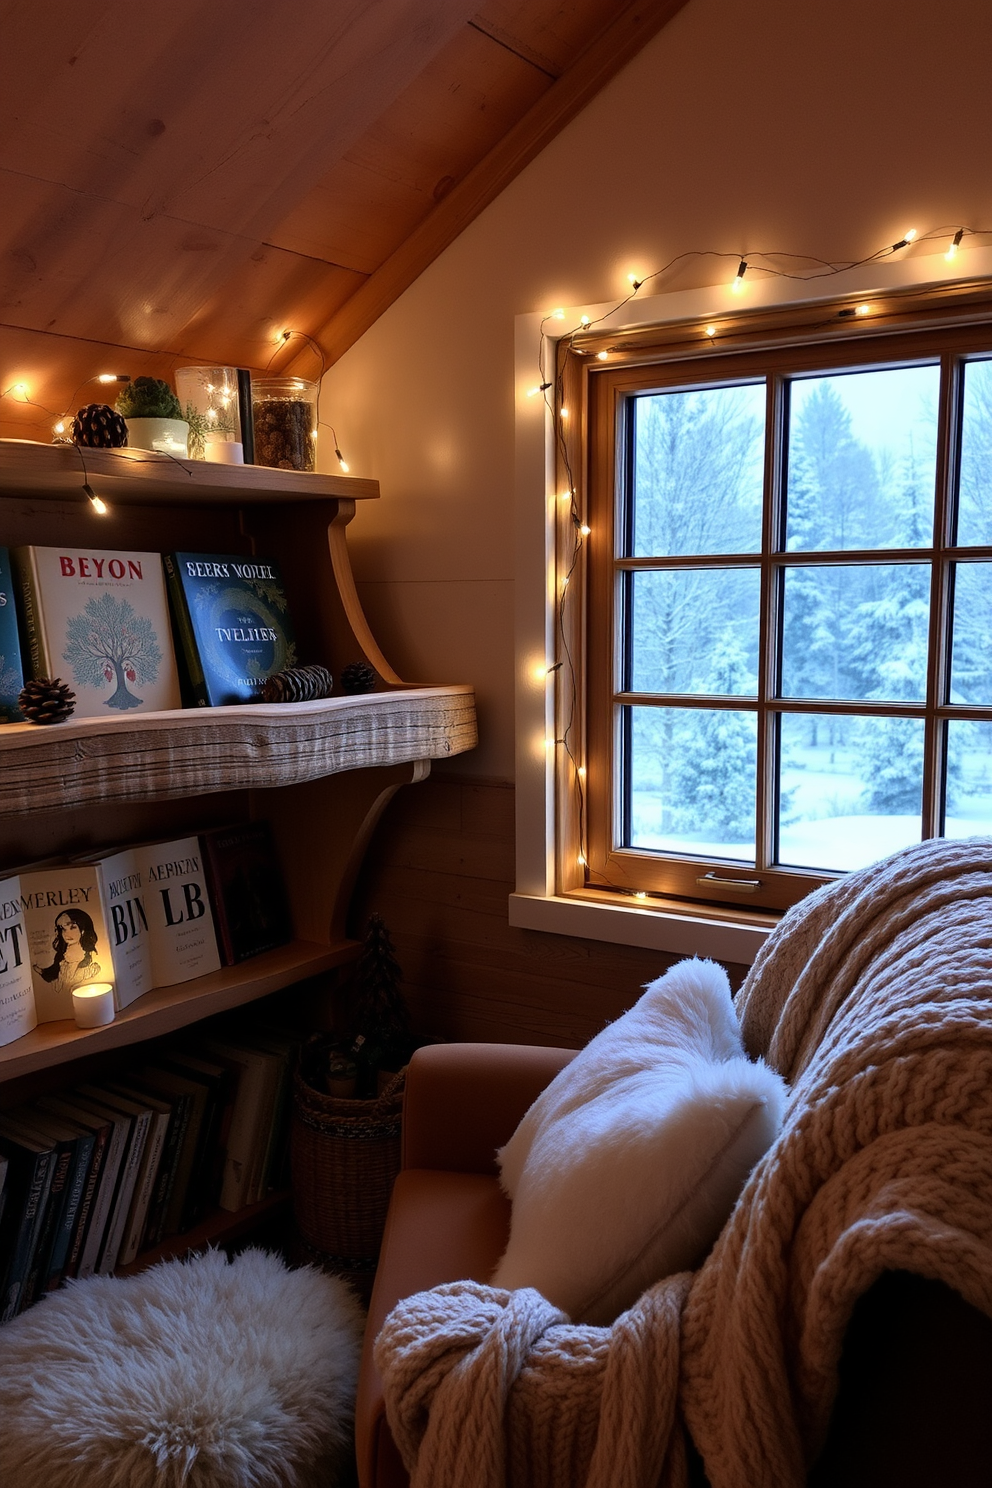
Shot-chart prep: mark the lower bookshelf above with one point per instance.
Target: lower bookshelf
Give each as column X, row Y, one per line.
column 219, row 1228
column 165, row 1009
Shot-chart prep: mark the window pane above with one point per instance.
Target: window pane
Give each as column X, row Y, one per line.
column 695, row 630
column 971, row 656
column 852, row 789
column 975, row 508
column 691, row 776
column 698, row 461
column 856, row 631
column 862, row 460
column 969, row 779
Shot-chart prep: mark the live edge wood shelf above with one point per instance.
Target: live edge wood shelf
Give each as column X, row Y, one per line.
column 321, row 772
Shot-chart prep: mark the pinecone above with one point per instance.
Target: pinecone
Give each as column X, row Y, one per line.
column 297, row 685
column 46, row 700
column 358, row 677
column 98, row 427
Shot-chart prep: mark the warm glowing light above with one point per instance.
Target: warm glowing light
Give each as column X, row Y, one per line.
column 862, row 310
column 541, row 387
column 581, row 772
column 910, row 234
column 710, row 330
column 738, row 283
column 640, row 894
column 557, row 315
column 635, row 281
column 59, row 426
column 114, row 377
column 954, row 245
column 98, row 504
column 581, row 860
column 19, row 387
column 564, row 413
column 584, row 320
column 550, row 741
column 904, row 241
column 565, row 496
column 585, row 530
column 601, row 356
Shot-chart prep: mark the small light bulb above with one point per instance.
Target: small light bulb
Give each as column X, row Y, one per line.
column 98, row 504
column 211, row 413
column 557, row 315
column 564, row 413
column 585, row 530
column 59, row 426
column 738, row 283
column 22, row 388
column 640, row 894
column 910, row 234
column 581, row 772
column 550, row 742
column 952, row 251
column 584, row 320
column 635, row 281
column 862, row 310
column 710, row 330
column 904, row 241
column 581, row 860
column 601, row 356
column 565, row 496
column 341, row 459
column 114, row 377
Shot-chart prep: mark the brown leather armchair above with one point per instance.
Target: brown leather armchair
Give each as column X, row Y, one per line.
column 916, row 1374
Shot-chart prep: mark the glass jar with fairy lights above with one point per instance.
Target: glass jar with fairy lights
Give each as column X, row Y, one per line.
column 284, row 414
column 209, row 399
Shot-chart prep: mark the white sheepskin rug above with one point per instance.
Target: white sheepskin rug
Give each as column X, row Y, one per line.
column 204, row 1373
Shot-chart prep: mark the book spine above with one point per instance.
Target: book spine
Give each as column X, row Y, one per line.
column 215, row 889
column 97, row 1227
column 25, row 569
column 144, row 1188
column 52, row 1218
column 184, row 632
column 125, row 1193
column 101, row 1145
column 27, row 1234
column 168, row 1168
column 59, row 1257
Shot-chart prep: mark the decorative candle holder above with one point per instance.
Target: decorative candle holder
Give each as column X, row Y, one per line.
column 284, row 414
column 93, row 1005
column 209, row 396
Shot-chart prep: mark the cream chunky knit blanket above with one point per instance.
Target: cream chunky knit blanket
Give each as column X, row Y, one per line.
column 874, row 999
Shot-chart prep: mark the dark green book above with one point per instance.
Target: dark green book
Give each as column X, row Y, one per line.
column 29, row 1178
column 231, row 623
column 11, row 672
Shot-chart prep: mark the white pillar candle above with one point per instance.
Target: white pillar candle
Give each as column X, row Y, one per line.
column 223, row 452
column 93, row 1005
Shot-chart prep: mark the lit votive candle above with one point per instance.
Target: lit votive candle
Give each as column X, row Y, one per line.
column 93, row 1005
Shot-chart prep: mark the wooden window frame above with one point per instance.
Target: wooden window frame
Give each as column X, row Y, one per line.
column 950, row 326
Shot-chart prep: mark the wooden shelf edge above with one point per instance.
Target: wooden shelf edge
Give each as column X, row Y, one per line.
column 144, row 478
column 166, row 1009
column 219, row 1228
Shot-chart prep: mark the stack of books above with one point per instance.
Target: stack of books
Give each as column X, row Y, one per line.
column 93, row 1176
column 148, row 915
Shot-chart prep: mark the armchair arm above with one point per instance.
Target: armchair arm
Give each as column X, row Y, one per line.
column 463, row 1101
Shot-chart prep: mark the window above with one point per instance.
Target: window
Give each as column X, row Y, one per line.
column 777, row 654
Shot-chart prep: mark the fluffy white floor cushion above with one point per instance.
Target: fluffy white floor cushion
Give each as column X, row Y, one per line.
column 626, row 1167
column 196, row 1374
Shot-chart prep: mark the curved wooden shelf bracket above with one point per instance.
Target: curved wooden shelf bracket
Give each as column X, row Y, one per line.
column 341, row 563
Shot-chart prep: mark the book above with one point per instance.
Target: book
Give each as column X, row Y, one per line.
column 144, row 1188
column 181, row 935
column 102, row 1131
column 100, row 621
column 141, row 1116
column 232, row 624
column 122, row 891
column 169, row 1086
column 11, row 671
column 221, row 1082
column 247, row 890
column 120, row 1124
column 175, row 1138
column 29, row 1178
column 66, row 935
column 251, row 1117
column 74, row 1154
column 18, row 1014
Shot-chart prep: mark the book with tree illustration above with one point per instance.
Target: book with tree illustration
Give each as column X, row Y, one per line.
column 232, row 624
column 100, row 621
column 11, row 677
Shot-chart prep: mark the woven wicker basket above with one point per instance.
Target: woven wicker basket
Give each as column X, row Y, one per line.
column 345, row 1155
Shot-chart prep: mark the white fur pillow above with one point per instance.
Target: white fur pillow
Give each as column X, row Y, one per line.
column 625, row 1168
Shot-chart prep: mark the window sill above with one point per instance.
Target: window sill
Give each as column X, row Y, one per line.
column 677, row 929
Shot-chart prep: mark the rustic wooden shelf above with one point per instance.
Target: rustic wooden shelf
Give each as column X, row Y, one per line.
column 219, row 1228
column 164, row 1009
column 196, row 751
column 143, row 477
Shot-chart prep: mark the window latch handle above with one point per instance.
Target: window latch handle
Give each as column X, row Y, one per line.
column 739, row 885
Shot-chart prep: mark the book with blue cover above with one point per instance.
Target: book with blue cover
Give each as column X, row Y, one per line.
column 11, row 672
column 232, row 624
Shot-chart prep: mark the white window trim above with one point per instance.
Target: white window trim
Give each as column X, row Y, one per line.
column 534, row 905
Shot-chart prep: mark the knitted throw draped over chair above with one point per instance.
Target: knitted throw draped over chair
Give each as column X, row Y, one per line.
column 874, row 999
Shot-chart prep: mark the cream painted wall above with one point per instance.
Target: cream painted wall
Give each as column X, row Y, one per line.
column 824, row 127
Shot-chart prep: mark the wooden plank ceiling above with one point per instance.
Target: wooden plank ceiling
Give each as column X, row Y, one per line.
column 182, row 184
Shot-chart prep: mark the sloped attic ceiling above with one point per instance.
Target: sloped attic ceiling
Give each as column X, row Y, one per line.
column 183, row 182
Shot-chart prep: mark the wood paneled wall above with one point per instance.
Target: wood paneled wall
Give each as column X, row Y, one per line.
column 439, row 871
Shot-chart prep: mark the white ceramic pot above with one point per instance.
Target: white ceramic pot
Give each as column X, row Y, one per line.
column 168, row 436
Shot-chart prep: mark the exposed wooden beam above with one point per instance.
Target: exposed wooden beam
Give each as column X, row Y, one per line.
column 621, row 40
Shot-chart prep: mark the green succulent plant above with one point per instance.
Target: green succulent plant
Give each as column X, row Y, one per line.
column 149, row 397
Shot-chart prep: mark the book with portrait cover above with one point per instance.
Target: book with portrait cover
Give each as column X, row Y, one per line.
column 232, row 624
column 67, row 936
column 246, row 890
column 11, row 674
column 100, row 621
column 17, row 1010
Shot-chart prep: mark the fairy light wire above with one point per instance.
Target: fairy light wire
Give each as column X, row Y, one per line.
column 563, row 669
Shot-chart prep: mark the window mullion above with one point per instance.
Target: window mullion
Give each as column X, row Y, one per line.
column 941, row 597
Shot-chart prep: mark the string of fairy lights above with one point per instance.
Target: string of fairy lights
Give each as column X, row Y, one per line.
column 769, row 264
column 61, row 428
